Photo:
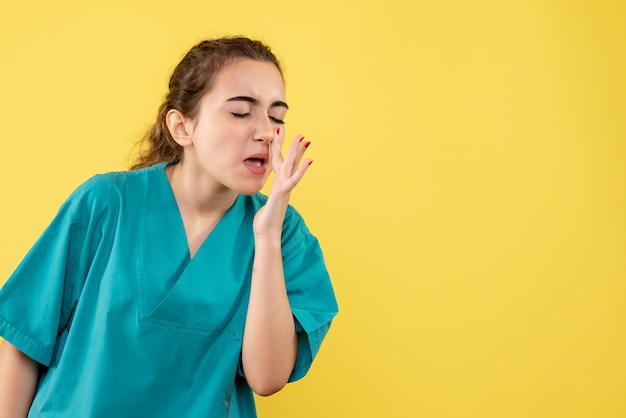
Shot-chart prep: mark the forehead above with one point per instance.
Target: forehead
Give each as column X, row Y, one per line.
column 244, row 76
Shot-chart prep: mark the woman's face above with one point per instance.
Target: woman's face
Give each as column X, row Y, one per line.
column 236, row 121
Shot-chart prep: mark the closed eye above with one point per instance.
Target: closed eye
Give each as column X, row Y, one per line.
column 240, row 115
column 276, row 120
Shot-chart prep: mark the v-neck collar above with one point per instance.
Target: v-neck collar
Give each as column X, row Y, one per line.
column 178, row 226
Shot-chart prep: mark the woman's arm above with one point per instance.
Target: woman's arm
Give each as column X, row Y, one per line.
column 18, row 378
column 270, row 344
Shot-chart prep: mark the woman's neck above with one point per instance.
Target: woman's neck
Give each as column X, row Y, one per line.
column 198, row 195
column 201, row 203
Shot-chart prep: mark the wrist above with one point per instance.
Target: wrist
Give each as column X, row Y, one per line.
column 272, row 239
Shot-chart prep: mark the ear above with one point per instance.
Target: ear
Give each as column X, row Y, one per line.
column 178, row 125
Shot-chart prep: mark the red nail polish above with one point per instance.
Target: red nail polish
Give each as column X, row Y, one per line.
column 277, row 131
column 301, row 139
column 310, row 162
column 306, row 145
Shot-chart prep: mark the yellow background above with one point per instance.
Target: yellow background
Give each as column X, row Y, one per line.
column 469, row 185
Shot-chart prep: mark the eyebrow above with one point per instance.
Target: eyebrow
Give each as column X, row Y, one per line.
column 254, row 101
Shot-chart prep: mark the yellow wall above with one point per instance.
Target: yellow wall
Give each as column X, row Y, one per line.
column 469, row 185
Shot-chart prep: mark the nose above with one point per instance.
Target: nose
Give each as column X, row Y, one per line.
column 264, row 131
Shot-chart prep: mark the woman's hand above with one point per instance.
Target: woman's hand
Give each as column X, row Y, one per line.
column 288, row 172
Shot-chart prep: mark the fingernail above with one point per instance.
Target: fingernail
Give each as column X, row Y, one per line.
column 277, row 131
column 306, row 145
column 301, row 139
column 310, row 162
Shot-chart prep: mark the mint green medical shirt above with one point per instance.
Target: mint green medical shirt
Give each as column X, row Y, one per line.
column 125, row 324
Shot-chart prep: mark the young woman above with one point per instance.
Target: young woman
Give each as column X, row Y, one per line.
column 175, row 289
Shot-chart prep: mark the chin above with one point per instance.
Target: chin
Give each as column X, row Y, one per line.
column 250, row 189
column 248, row 185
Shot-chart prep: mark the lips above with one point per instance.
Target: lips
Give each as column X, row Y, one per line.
column 257, row 163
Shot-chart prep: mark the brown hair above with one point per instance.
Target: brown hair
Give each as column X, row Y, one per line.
column 192, row 78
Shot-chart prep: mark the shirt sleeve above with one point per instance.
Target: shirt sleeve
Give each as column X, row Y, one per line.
column 309, row 290
column 37, row 300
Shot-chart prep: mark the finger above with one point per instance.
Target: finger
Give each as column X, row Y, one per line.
column 300, row 150
column 275, row 147
column 304, row 145
column 279, row 136
column 276, row 157
column 295, row 153
column 299, row 173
